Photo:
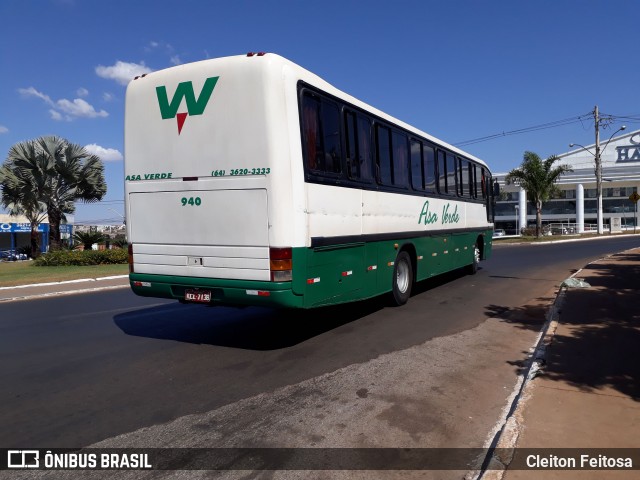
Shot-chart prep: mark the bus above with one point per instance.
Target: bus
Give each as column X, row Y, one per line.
column 250, row 181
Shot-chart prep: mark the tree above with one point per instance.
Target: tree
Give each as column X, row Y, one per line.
column 87, row 239
column 21, row 189
column 75, row 174
column 63, row 173
column 539, row 179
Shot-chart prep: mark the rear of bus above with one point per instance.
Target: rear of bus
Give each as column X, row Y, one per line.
column 208, row 182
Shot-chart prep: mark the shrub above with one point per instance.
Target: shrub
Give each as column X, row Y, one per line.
column 82, row 258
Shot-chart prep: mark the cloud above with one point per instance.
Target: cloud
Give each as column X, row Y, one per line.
column 105, row 154
column 122, row 72
column 175, row 60
column 108, row 97
column 56, row 115
column 79, row 108
column 3, row 129
column 32, row 92
column 64, row 109
column 82, row 92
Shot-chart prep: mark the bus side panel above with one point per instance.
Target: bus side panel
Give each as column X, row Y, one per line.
column 334, row 274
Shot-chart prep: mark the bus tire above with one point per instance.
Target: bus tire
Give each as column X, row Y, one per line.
column 473, row 267
column 402, row 278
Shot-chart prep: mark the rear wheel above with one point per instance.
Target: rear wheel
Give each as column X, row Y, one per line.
column 402, row 278
column 473, row 267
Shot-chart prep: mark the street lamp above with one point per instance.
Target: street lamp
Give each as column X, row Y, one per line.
column 124, row 221
column 598, row 160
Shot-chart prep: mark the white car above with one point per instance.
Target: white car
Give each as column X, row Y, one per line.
column 499, row 233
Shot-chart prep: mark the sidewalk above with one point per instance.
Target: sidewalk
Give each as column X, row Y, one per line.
column 27, row 292
column 587, row 393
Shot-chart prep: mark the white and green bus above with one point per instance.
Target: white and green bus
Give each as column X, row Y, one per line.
column 251, row 181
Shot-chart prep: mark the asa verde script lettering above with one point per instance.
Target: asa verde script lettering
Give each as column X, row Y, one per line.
column 149, row 176
column 429, row 217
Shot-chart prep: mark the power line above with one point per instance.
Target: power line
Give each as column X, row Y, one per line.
column 543, row 126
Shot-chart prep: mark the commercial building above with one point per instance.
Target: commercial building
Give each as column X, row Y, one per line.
column 15, row 232
column 575, row 208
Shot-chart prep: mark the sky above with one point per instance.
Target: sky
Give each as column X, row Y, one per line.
column 459, row 70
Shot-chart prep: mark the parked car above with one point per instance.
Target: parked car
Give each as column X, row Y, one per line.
column 11, row 256
column 499, row 232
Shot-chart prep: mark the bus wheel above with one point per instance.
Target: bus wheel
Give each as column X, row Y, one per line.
column 402, row 278
column 473, row 267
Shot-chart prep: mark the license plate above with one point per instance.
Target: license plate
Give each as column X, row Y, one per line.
column 202, row 296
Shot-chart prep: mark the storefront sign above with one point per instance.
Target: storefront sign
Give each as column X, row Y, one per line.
column 630, row 153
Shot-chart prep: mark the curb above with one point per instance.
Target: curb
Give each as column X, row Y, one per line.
column 67, row 292
column 32, row 296
column 65, row 282
column 508, row 429
column 566, row 240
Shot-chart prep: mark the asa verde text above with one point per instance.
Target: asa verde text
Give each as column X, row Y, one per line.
column 428, row 217
column 149, row 176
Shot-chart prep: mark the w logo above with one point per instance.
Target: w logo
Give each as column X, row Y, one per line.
column 185, row 90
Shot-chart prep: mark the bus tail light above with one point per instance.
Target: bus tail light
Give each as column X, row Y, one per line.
column 280, row 264
column 130, row 250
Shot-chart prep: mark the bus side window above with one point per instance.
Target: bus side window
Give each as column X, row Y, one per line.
column 465, row 189
column 331, row 136
column 358, row 146
column 442, row 172
column 452, row 175
column 383, row 150
column 483, row 184
column 429, row 162
column 351, row 144
column 321, row 134
column 400, row 160
column 472, row 180
column 365, row 156
column 311, row 131
column 417, row 176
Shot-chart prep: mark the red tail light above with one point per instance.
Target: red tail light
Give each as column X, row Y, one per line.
column 130, row 250
column 280, row 264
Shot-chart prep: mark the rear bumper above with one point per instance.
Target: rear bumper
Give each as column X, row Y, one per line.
column 223, row 292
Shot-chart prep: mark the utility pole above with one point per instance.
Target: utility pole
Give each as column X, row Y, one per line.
column 598, row 159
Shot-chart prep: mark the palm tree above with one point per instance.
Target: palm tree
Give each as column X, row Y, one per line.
column 21, row 189
column 60, row 173
column 539, row 179
column 87, row 239
column 75, row 174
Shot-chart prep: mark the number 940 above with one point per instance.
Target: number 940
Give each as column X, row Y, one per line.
column 191, row 201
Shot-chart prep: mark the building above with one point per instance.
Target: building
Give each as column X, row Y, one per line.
column 575, row 208
column 15, row 232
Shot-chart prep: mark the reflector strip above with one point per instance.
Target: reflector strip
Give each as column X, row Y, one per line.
column 446, row 251
column 420, row 257
column 434, row 254
column 390, row 264
column 141, row 284
column 347, row 273
column 259, row 293
column 372, row 267
column 313, row 280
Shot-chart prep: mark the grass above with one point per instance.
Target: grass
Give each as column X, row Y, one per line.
column 25, row 273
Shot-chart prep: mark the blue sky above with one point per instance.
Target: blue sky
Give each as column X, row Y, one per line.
column 459, row 70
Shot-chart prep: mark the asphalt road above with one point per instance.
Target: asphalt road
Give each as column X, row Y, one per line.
column 79, row 369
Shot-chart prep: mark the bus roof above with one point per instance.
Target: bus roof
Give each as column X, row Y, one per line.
column 296, row 73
